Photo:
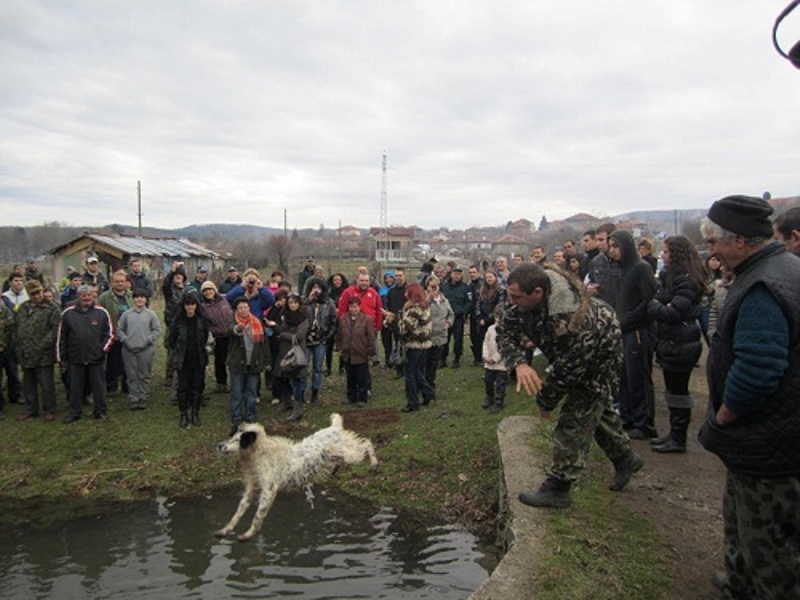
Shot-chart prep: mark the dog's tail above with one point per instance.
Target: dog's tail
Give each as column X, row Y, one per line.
column 336, row 421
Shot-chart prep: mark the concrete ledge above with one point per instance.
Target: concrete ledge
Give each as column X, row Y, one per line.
column 521, row 528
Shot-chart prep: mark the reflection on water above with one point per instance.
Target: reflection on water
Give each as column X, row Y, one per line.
column 165, row 549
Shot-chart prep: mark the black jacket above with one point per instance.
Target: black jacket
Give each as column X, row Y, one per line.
column 637, row 285
column 84, row 336
column 178, row 338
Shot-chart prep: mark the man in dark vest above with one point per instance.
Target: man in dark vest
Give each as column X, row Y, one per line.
column 753, row 421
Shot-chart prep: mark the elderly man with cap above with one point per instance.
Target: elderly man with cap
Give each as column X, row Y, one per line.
column 37, row 327
column 305, row 274
column 231, row 281
column 753, row 422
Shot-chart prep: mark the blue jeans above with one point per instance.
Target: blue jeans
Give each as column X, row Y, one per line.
column 243, row 397
column 316, row 358
column 298, row 385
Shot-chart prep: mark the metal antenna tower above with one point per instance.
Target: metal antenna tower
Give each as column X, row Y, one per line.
column 383, row 238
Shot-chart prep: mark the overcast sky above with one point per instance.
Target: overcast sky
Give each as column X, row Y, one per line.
column 489, row 111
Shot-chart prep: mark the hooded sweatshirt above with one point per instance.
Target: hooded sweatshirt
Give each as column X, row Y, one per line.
column 637, row 284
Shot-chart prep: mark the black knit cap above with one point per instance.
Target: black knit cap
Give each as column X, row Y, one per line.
column 745, row 215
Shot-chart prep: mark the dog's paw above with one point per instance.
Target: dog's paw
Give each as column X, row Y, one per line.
column 245, row 537
column 221, row 533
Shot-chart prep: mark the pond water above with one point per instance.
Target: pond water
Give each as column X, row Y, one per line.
column 309, row 547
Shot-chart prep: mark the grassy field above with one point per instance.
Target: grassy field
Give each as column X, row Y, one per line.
column 440, row 461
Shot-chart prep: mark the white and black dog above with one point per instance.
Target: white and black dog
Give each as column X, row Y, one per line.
column 270, row 464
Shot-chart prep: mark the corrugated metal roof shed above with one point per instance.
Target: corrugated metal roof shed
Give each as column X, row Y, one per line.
column 171, row 247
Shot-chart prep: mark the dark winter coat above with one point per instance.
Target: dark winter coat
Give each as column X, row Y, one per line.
column 321, row 314
column 675, row 313
column 237, row 355
column 292, row 325
column 178, row 338
column 84, row 336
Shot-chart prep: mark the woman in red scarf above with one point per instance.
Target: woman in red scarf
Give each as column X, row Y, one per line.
column 247, row 357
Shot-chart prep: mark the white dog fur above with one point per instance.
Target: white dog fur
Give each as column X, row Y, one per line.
column 270, row 464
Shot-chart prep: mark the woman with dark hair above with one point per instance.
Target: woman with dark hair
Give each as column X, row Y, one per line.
column 415, row 333
column 675, row 310
column 271, row 319
column 492, row 293
column 293, row 328
column 188, row 334
column 337, row 283
column 714, row 270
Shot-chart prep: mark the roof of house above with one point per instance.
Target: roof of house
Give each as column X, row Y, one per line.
column 144, row 246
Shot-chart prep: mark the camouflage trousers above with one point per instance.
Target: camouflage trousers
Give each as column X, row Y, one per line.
column 586, row 414
column 762, row 537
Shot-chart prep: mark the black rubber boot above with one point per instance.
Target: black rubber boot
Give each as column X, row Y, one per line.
column 624, row 468
column 196, row 411
column 184, row 422
column 553, row 493
column 679, row 422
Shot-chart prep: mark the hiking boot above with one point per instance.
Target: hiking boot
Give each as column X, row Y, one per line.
column 624, row 469
column 456, row 363
column 496, row 408
column 488, row 403
column 553, row 493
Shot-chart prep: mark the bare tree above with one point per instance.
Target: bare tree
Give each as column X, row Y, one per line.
column 251, row 252
column 280, row 248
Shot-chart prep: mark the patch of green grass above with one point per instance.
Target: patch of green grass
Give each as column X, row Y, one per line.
column 442, row 460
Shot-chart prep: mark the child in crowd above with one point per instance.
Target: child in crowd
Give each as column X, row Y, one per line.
column 137, row 331
column 356, row 341
column 495, row 374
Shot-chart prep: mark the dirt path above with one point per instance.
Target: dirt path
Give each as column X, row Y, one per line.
column 682, row 495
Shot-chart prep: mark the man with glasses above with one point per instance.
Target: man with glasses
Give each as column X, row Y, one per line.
column 753, row 421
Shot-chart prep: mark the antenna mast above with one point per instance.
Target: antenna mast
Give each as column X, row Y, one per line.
column 383, row 237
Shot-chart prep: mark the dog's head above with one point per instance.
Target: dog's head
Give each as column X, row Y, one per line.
column 243, row 440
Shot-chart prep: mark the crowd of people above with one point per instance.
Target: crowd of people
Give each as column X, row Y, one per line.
column 601, row 318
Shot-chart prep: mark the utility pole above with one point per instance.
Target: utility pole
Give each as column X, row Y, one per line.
column 383, row 236
column 139, row 204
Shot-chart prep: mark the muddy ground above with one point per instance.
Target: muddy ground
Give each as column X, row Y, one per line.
column 682, row 495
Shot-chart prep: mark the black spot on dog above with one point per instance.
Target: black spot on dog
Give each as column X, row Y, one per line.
column 247, row 439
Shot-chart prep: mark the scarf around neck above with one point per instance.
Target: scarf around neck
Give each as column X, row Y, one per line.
column 254, row 325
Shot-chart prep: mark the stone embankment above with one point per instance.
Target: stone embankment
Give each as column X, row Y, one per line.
column 522, row 528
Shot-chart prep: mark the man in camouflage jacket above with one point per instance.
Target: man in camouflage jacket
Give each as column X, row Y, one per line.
column 581, row 338
column 37, row 328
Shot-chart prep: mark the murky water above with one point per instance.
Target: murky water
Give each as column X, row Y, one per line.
column 308, row 548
